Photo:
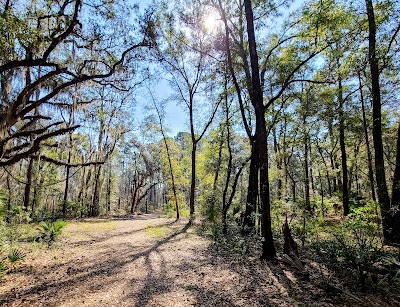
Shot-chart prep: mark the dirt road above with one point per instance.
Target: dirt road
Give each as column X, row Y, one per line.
column 147, row 261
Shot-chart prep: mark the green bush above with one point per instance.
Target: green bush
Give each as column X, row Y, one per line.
column 232, row 242
column 10, row 261
column 17, row 215
column 14, row 256
column 352, row 249
column 170, row 211
column 11, row 233
column 50, row 231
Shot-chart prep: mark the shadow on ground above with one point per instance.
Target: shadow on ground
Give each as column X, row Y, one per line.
column 178, row 270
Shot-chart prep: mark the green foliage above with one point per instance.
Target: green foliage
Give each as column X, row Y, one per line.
column 235, row 210
column 3, row 267
column 352, row 248
column 14, row 256
column 158, row 231
column 49, row 232
column 18, row 215
column 212, row 214
column 234, row 241
column 11, row 233
column 11, row 260
column 3, row 209
column 170, row 210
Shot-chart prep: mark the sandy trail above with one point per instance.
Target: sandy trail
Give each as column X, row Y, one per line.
column 147, row 261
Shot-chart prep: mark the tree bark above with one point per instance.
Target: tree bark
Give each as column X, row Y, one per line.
column 193, row 181
column 369, row 155
column 109, row 182
column 68, row 167
column 9, row 193
column 65, row 198
column 383, row 194
column 225, row 205
column 332, row 156
column 328, row 179
column 306, row 169
column 216, row 175
column 268, row 248
column 252, row 188
column 98, row 183
column 28, row 184
column 395, row 235
column 345, row 181
column 278, row 160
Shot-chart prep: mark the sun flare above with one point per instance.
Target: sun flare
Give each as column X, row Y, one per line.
column 211, row 21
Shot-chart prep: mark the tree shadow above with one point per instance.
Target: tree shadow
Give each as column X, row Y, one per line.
column 108, row 264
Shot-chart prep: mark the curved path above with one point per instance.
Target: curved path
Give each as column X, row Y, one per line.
column 148, row 261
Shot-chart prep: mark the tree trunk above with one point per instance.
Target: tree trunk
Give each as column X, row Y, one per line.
column 252, row 189
column 98, row 182
column 332, row 155
column 268, row 248
column 28, row 184
column 171, row 172
column 383, row 195
column 328, row 179
column 193, row 181
column 225, row 205
column 9, row 193
column 135, row 190
column 38, row 187
column 293, row 190
column 109, row 182
column 369, row 155
column 321, row 193
column 65, row 199
column 396, row 194
column 278, row 160
column 345, row 181
column 216, row 176
column 306, row 175
column 68, row 168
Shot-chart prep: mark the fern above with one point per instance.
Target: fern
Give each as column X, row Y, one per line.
column 15, row 255
column 49, row 232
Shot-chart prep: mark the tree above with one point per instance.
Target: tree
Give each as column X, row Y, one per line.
column 159, row 109
column 185, row 59
column 390, row 212
column 45, row 49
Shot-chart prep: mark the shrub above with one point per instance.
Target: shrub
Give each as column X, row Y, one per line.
column 11, row 261
column 14, row 256
column 17, row 215
column 170, row 211
column 352, row 249
column 49, row 232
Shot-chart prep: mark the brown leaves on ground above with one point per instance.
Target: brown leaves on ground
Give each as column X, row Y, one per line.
column 150, row 261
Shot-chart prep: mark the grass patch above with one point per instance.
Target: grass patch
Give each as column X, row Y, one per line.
column 90, row 227
column 158, row 231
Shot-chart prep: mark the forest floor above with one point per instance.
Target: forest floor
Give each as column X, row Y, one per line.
column 148, row 260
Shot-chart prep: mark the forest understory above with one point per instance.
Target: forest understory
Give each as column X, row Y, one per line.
column 151, row 260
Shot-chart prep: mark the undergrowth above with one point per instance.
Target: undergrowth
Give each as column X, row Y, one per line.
column 234, row 241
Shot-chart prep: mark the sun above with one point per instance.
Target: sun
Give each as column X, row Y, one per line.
column 212, row 21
